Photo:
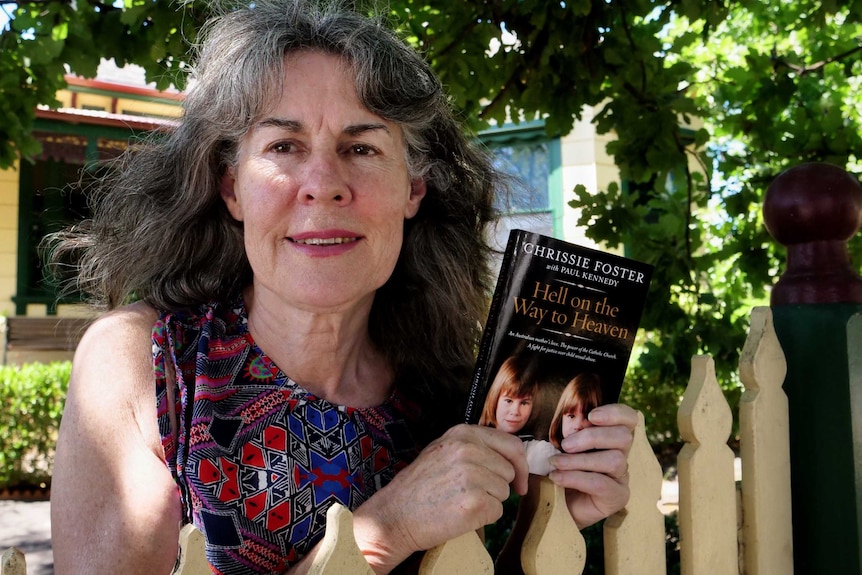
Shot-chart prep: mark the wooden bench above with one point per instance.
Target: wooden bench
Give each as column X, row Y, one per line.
column 50, row 333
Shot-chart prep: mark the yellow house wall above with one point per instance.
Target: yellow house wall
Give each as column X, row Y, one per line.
column 138, row 107
column 131, row 106
column 584, row 161
column 8, row 238
column 94, row 102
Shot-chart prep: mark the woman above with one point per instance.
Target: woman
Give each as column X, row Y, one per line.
column 307, row 258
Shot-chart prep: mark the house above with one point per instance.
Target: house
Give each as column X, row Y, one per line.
column 95, row 121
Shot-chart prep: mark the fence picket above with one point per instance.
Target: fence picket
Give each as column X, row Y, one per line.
column 707, row 491
column 338, row 552
column 553, row 544
column 765, row 450
column 465, row 554
column 192, row 556
column 634, row 537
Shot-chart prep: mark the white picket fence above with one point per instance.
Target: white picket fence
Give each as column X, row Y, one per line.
column 721, row 531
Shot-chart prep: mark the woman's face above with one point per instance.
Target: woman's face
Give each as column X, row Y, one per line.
column 575, row 420
column 322, row 189
column 513, row 412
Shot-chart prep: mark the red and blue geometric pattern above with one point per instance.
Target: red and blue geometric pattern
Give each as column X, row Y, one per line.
column 257, row 459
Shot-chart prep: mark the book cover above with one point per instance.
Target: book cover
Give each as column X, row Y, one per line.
column 558, row 339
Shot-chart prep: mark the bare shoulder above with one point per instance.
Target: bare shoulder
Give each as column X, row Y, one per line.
column 126, row 325
column 116, row 344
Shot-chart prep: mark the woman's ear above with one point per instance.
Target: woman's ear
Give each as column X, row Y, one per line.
column 227, row 190
column 417, row 192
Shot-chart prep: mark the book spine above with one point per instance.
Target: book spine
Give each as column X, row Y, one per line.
column 505, row 276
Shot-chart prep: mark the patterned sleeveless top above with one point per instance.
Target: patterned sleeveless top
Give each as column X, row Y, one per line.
column 257, row 459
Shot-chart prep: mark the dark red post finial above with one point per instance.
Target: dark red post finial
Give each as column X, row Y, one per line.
column 813, row 210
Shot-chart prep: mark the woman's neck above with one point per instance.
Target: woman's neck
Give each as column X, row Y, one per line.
column 329, row 353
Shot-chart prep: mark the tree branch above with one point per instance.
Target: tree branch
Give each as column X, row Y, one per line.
column 817, row 66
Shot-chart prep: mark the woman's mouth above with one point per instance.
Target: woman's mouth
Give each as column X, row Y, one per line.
column 322, row 241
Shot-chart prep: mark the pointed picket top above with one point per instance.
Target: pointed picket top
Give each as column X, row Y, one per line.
column 338, row 551
column 635, row 536
column 192, row 558
column 553, row 543
column 704, row 415
column 762, row 362
column 12, row 562
column 465, row 554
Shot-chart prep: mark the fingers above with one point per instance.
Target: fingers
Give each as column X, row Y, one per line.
column 609, row 462
column 614, row 414
column 457, row 484
column 592, row 497
column 510, row 448
column 616, row 437
column 613, row 428
column 593, row 466
column 502, row 454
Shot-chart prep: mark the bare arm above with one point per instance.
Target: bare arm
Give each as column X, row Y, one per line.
column 114, row 505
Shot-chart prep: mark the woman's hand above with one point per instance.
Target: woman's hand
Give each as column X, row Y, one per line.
column 456, row 485
column 594, row 467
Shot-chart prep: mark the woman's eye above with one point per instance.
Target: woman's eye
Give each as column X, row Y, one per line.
column 282, row 147
column 362, row 149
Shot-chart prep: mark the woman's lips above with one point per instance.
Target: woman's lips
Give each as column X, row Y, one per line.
column 322, row 241
column 325, row 242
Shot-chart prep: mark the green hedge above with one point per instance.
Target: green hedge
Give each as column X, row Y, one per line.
column 33, row 396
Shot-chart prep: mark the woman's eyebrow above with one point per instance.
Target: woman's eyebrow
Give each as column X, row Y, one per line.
column 283, row 123
column 358, row 129
column 297, row 127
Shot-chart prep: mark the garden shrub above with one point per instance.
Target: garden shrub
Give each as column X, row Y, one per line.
column 33, row 396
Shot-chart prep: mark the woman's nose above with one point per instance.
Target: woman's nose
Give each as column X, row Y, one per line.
column 324, row 180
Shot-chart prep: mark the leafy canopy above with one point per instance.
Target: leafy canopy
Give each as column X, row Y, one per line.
column 709, row 100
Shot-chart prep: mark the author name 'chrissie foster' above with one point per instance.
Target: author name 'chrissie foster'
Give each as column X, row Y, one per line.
column 585, row 263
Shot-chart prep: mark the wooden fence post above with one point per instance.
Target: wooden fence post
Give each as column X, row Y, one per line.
column 813, row 210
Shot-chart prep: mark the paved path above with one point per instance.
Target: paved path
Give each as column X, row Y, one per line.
column 27, row 526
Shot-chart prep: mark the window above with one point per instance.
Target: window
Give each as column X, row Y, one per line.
column 49, row 200
column 530, row 163
column 525, row 152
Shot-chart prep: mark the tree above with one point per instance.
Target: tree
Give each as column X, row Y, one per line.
column 652, row 69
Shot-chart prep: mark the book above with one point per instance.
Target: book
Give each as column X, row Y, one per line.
column 559, row 336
